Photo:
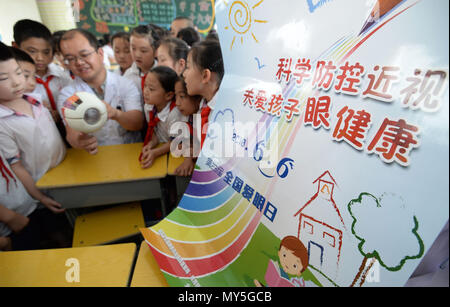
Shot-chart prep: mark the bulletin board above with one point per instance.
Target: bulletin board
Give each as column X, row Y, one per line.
column 111, row 16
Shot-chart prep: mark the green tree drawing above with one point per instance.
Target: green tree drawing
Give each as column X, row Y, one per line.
column 362, row 205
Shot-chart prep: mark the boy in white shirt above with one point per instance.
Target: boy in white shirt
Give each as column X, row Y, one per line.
column 36, row 39
column 143, row 42
column 29, row 139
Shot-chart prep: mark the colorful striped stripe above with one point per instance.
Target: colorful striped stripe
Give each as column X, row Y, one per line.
column 203, row 266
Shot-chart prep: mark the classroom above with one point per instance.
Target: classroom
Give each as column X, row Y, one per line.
column 187, row 143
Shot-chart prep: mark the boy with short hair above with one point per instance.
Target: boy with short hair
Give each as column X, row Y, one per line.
column 36, row 39
column 28, row 68
column 29, row 140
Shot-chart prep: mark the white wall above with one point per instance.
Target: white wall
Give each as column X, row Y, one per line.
column 12, row 11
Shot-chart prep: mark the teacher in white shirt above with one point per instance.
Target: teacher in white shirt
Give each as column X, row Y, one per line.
column 84, row 58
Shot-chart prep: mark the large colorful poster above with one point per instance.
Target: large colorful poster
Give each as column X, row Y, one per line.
column 326, row 163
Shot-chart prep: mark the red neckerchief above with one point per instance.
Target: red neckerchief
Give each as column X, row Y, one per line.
column 6, row 173
column 204, row 116
column 143, row 82
column 152, row 122
column 47, row 89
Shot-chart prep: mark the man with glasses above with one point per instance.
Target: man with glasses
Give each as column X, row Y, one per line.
column 84, row 58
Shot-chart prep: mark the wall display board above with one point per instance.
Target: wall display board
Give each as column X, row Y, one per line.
column 110, row 16
column 327, row 158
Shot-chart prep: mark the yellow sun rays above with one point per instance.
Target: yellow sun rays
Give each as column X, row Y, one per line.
column 241, row 20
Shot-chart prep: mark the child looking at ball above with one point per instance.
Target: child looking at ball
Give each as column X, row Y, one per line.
column 26, row 63
column 143, row 42
column 122, row 51
column 29, row 139
column 159, row 92
column 36, row 39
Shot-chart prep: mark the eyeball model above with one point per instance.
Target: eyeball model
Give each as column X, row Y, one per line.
column 84, row 112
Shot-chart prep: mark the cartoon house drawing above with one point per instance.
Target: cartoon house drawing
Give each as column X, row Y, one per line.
column 321, row 227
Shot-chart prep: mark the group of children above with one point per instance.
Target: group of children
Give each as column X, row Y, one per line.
column 161, row 83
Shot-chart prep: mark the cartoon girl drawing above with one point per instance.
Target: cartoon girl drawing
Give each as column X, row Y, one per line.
column 293, row 257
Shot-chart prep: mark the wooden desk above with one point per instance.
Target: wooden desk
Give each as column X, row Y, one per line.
column 182, row 182
column 99, row 266
column 146, row 272
column 112, row 176
column 173, row 163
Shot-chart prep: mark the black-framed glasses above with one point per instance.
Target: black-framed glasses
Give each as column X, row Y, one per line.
column 82, row 57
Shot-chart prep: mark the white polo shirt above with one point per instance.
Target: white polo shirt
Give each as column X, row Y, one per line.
column 14, row 196
column 61, row 78
column 36, row 141
column 166, row 119
column 120, row 93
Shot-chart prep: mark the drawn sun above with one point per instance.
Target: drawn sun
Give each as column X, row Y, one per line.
column 241, row 20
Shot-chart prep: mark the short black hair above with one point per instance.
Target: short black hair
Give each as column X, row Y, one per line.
column 166, row 76
column 177, row 48
column 88, row 35
column 21, row 56
column 208, row 55
column 5, row 53
column 106, row 38
column 122, row 35
column 189, row 35
column 191, row 23
column 160, row 31
column 212, row 34
column 147, row 31
column 56, row 38
column 27, row 28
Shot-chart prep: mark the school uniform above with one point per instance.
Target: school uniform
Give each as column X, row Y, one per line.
column 120, row 93
column 206, row 110
column 167, row 118
column 118, row 72
column 159, row 123
column 135, row 74
column 108, row 52
column 49, row 86
column 44, row 230
column 13, row 195
column 35, row 141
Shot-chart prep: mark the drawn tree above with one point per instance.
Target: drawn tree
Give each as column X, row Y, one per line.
column 387, row 232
